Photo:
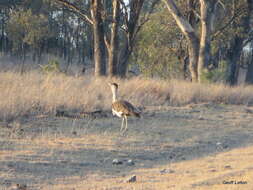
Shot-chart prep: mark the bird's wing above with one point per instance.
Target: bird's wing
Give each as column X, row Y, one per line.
column 124, row 106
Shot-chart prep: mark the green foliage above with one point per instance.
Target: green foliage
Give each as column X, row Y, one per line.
column 215, row 75
column 235, row 27
column 23, row 27
column 53, row 66
column 42, row 27
column 156, row 46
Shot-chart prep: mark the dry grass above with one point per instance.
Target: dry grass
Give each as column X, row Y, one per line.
column 203, row 144
column 206, row 173
column 35, row 93
column 211, row 172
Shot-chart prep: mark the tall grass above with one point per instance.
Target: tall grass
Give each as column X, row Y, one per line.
column 36, row 93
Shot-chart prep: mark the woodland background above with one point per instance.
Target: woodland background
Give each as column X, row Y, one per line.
column 186, row 64
column 193, row 40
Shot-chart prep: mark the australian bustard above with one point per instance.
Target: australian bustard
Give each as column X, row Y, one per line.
column 122, row 108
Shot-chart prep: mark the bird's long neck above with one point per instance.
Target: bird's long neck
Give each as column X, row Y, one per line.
column 114, row 95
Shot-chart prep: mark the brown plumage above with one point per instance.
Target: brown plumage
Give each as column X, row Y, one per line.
column 125, row 107
column 122, row 108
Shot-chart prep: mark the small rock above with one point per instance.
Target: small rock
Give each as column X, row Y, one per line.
column 74, row 133
column 248, row 110
column 130, row 162
column 228, row 167
column 60, row 113
column 171, row 156
column 168, row 171
column 151, row 114
column 116, row 162
column 6, row 182
column 213, row 170
column 131, row 179
column 19, row 187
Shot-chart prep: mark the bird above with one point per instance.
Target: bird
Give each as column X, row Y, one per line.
column 122, row 108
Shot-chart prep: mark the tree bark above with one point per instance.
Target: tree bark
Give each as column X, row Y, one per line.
column 236, row 44
column 193, row 49
column 131, row 31
column 191, row 36
column 113, row 47
column 125, row 54
column 234, row 53
column 249, row 75
column 132, row 13
column 207, row 11
column 98, row 34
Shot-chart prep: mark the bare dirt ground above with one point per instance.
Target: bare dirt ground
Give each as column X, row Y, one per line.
column 200, row 146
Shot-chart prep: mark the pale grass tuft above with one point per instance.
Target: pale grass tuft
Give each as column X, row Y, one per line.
column 36, row 93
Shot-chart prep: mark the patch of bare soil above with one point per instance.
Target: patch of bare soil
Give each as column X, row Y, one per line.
column 194, row 147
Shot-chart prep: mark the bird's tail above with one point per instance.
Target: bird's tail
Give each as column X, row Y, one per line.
column 136, row 114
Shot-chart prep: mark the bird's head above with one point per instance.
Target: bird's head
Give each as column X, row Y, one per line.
column 114, row 88
column 113, row 85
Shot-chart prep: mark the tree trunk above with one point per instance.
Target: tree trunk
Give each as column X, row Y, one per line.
column 131, row 32
column 98, row 34
column 236, row 45
column 207, row 9
column 234, row 54
column 193, row 49
column 23, row 49
column 249, row 75
column 113, row 48
column 192, row 38
column 3, row 35
column 125, row 54
column 132, row 13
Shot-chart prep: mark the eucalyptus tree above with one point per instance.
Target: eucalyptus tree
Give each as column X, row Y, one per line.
column 113, row 46
column 27, row 32
column 232, row 34
column 241, row 22
column 216, row 18
column 198, row 42
column 6, row 6
column 94, row 18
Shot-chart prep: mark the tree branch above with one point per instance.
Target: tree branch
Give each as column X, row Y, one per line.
column 250, row 39
column 147, row 16
column 126, row 14
column 107, row 44
column 220, row 30
column 222, row 4
column 75, row 9
column 182, row 22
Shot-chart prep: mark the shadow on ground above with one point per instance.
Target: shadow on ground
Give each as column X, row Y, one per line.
column 160, row 137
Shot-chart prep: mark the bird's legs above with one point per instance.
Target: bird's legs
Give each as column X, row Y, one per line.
column 125, row 124
column 122, row 123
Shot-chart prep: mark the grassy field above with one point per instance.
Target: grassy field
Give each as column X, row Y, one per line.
column 35, row 93
column 190, row 136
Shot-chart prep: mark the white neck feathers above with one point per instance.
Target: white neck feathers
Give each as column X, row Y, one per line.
column 114, row 94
